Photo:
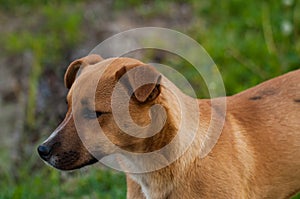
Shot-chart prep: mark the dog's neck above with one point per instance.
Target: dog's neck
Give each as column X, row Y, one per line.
column 151, row 182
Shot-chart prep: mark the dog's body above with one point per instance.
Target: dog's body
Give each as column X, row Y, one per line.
column 257, row 154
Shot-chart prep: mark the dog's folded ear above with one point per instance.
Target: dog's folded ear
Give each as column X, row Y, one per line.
column 73, row 68
column 142, row 81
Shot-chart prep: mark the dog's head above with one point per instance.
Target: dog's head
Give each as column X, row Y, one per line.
column 74, row 141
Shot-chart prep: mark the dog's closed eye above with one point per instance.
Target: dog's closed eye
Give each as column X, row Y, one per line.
column 91, row 114
column 98, row 113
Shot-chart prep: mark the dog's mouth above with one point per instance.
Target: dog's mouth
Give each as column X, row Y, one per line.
column 66, row 165
column 70, row 161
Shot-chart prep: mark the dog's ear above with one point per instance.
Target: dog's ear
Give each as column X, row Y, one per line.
column 73, row 68
column 142, row 81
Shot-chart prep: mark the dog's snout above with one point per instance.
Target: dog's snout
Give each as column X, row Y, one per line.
column 44, row 151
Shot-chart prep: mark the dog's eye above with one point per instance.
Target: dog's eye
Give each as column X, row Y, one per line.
column 98, row 113
column 90, row 114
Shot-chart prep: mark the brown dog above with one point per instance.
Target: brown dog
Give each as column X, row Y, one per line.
column 256, row 156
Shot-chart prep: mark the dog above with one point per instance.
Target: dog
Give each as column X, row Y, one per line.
column 257, row 154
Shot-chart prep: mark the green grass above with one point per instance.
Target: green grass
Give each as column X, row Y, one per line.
column 49, row 183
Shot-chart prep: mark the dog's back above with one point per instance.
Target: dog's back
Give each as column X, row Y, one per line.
column 267, row 116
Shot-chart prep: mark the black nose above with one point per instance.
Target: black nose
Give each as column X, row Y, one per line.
column 44, row 151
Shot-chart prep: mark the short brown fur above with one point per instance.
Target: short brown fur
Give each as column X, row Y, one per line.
column 256, row 156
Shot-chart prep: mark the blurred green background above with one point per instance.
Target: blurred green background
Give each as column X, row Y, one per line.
column 250, row 41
